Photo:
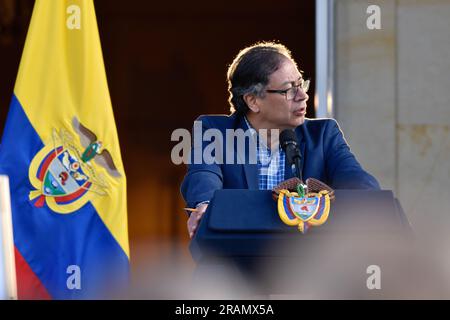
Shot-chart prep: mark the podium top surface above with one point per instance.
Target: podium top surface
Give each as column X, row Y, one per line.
column 254, row 211
column 245, row 223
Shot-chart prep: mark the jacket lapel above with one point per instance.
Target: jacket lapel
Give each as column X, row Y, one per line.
column 250, row 170
column 251, row 174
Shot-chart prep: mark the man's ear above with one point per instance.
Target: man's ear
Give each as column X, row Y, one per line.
column 251, row 101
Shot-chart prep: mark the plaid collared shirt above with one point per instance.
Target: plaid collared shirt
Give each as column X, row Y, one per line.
column 270, row 164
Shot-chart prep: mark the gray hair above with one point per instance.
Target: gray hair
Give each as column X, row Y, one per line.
column 250, row 70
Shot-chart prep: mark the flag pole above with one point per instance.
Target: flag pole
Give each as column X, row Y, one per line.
column 7, row 241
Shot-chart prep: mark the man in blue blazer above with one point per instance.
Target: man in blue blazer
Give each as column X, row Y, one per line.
column 267, row 95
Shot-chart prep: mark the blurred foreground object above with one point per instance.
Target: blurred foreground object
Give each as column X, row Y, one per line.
column 241, row 229
column 8, row 287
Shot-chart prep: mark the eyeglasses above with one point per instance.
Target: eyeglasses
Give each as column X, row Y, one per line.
column 291, row 93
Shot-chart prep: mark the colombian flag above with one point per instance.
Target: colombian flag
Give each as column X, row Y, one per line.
column 61, row 152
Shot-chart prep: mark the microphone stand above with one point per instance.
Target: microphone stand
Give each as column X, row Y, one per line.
column 298, row 172
column 301, row 188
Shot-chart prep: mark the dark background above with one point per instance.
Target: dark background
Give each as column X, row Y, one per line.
column 166, row 64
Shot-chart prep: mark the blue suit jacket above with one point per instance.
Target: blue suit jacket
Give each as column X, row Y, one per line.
column 326, row 156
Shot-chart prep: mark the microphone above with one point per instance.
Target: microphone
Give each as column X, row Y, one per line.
column 289, row 144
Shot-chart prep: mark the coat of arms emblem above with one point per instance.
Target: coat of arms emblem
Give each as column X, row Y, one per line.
column 308, row 207
column 62, row 173
column 304, row 212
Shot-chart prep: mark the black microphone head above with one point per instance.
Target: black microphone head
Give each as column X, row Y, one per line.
column 288, row 136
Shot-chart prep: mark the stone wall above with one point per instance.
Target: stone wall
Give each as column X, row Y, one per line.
column 392, row 99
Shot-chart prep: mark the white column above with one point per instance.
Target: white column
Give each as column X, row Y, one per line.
column 323, row 100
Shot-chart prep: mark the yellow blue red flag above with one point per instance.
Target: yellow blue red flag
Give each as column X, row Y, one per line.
column 61, row 152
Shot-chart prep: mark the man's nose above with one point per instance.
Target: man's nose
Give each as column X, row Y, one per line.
column 301, row 95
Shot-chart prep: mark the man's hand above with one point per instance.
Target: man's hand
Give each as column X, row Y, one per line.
column 194, row 219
